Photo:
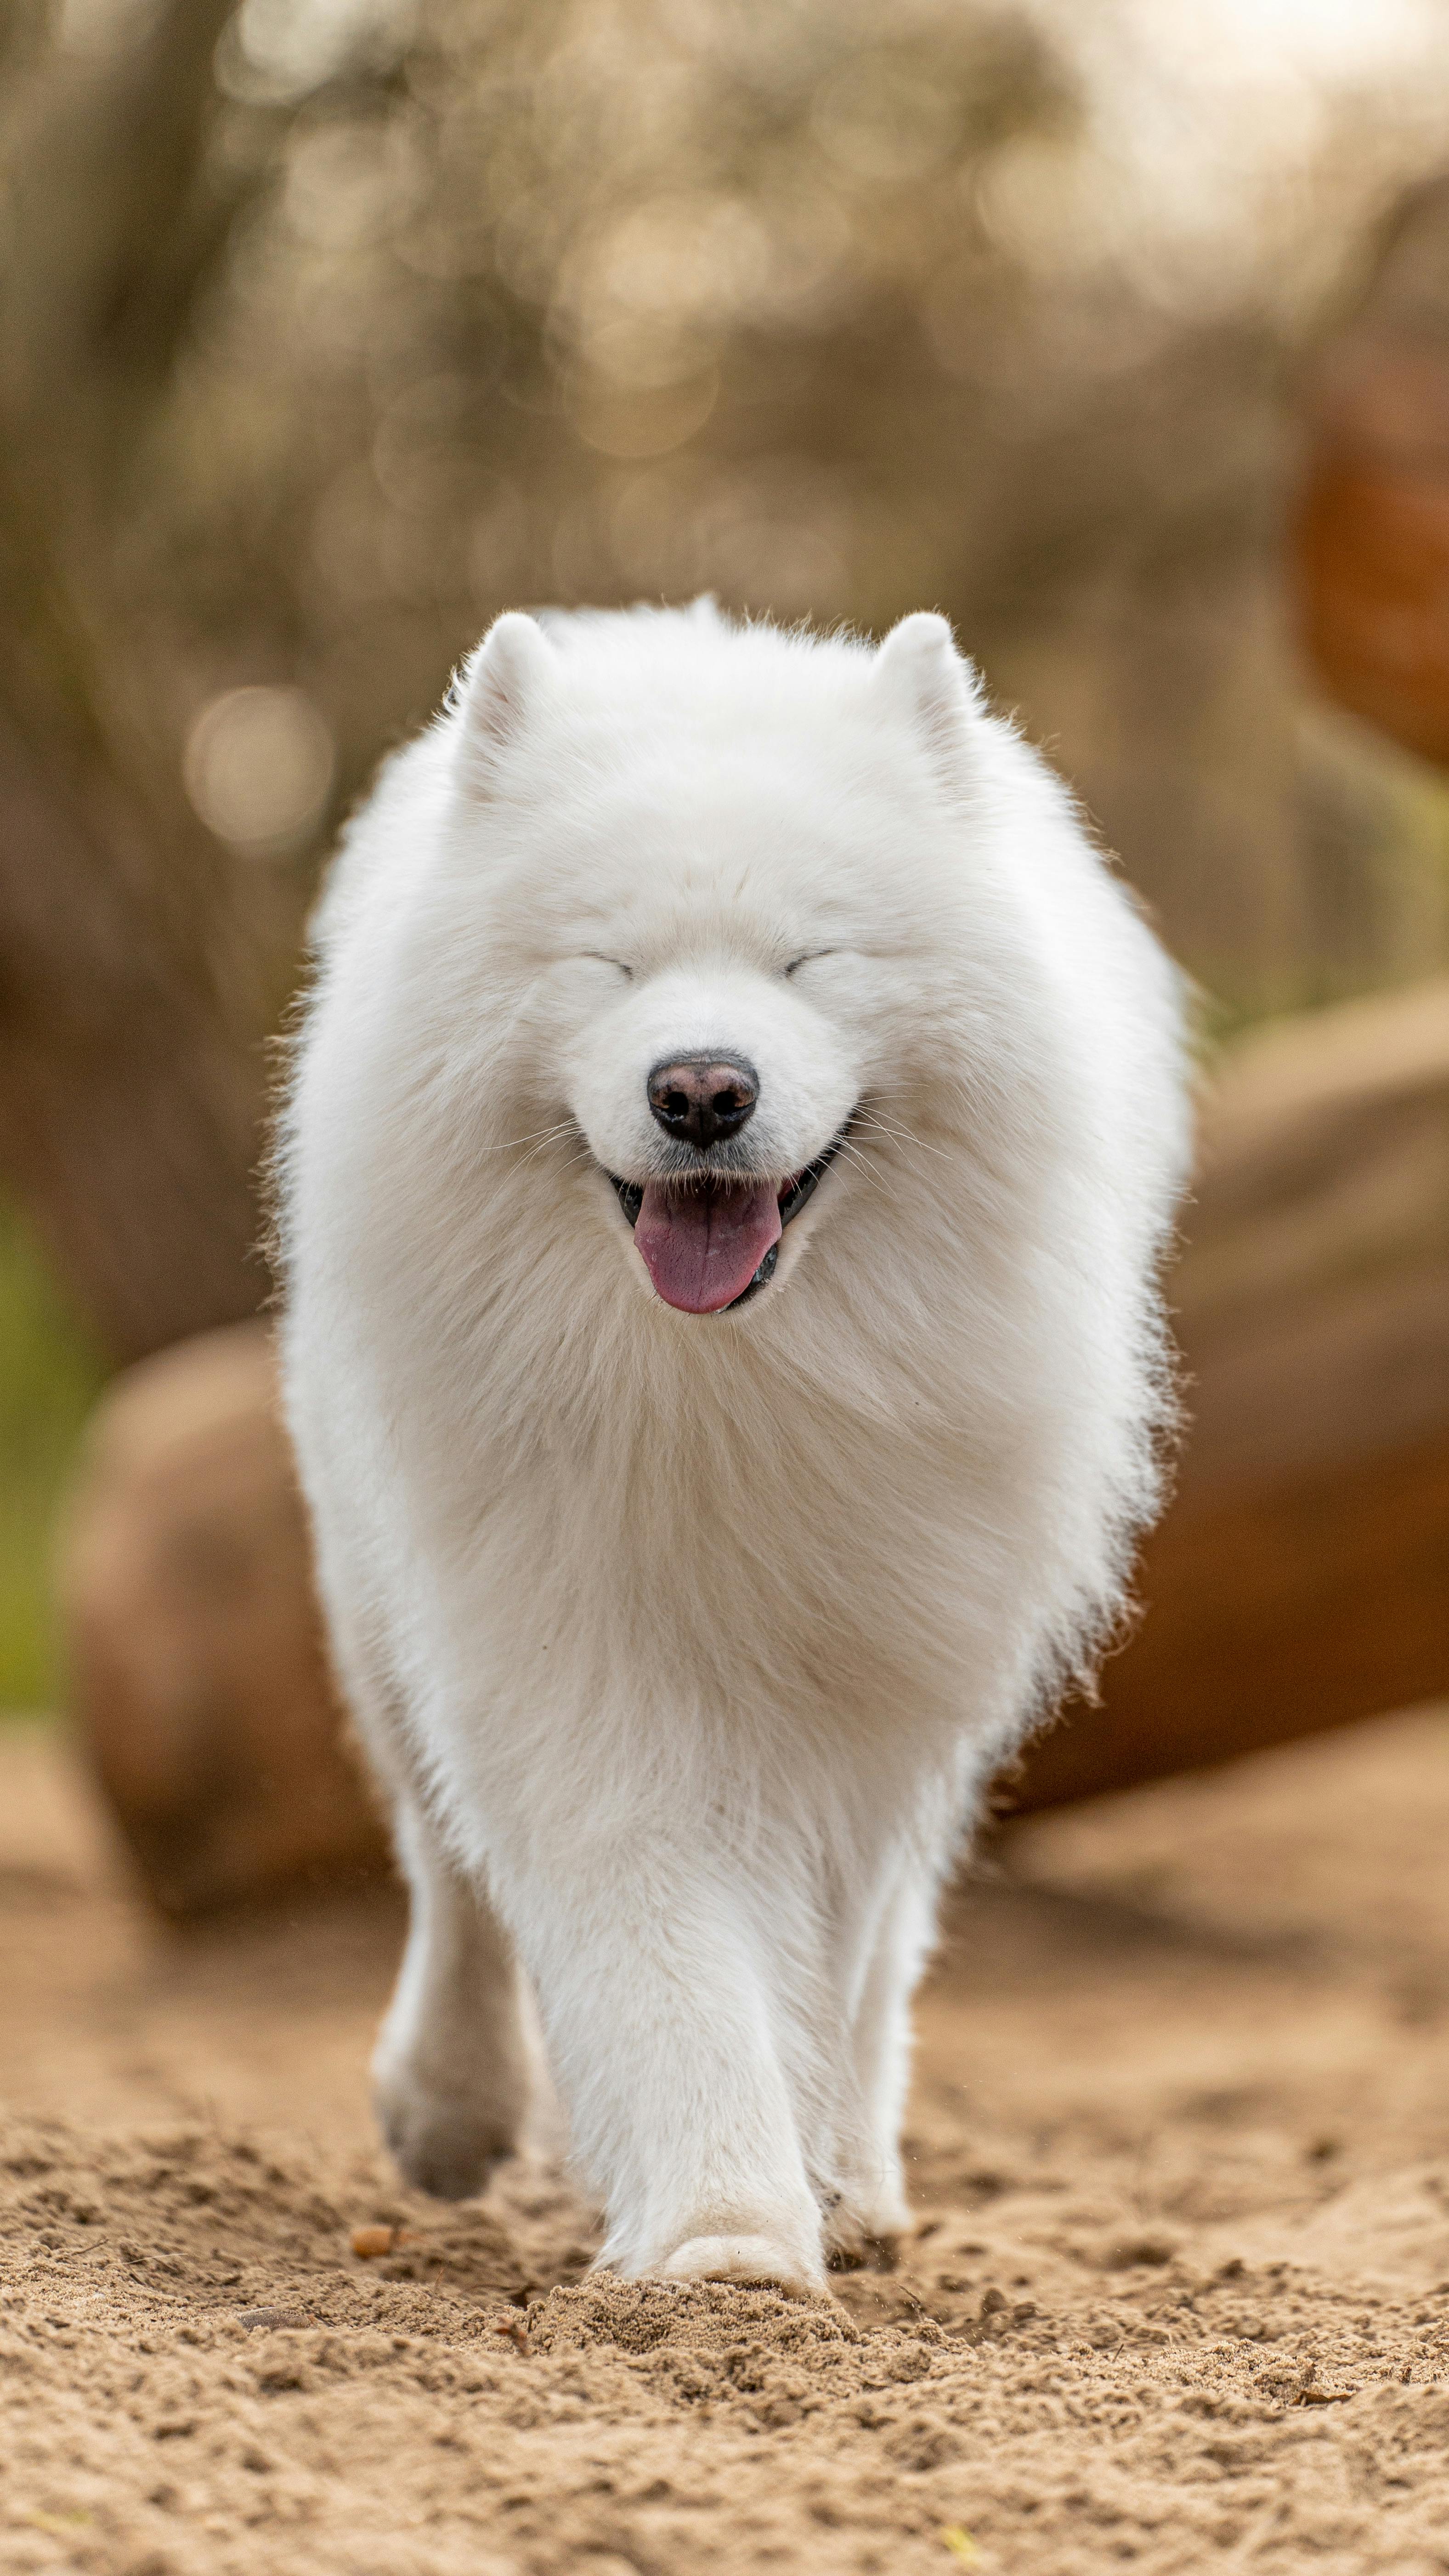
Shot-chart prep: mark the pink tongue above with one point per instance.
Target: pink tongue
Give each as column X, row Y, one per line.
column 703, row 1248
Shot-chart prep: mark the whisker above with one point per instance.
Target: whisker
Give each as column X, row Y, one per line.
column 536, row 1135
column 568, row 1131
column 863, row 1161
column 872, row 1119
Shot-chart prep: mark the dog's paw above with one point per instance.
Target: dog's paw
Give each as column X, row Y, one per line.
column 443, row 2145
column 863, row 2233
column 860, row 2252
column 764, row 2260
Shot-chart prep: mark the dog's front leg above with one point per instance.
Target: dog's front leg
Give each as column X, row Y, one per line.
column 450, row 2070
column 873, row 2206
column 653, row 1978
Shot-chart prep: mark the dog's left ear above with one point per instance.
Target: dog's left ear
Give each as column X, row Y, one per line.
column 919, row 665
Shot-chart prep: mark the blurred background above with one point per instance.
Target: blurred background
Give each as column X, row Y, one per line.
column 329, row 328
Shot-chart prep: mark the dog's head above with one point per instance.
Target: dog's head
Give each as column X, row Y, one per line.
column 724, row 869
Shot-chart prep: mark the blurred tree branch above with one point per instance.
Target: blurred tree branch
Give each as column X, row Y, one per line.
column 129, row 1097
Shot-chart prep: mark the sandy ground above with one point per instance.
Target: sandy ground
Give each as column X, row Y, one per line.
column 1178, row 2296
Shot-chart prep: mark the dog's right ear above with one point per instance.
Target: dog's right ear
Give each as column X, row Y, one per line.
column 513, row 667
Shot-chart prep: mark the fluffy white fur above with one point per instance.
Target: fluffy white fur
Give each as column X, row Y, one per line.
column 683, row 1643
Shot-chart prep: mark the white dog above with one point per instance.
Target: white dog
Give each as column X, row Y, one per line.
column 732, row 1141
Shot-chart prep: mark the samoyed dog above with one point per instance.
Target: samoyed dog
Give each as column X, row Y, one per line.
column 731, row 1143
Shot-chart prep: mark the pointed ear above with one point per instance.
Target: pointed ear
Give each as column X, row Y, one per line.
column 920, row 668
column 513, row 667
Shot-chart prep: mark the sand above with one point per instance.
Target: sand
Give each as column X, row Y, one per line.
column 1178, row 2297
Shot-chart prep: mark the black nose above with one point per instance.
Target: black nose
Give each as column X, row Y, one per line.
column 703, row 1097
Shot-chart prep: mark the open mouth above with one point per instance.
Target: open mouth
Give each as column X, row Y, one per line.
column 711, row 1241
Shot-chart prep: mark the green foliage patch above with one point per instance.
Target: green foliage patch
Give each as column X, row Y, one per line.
column 50, row 1375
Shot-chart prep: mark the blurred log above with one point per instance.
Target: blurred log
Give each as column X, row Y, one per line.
column 1301, row 1577
column 199, row 1681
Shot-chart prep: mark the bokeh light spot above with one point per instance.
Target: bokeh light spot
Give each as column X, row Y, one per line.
column 258, row 768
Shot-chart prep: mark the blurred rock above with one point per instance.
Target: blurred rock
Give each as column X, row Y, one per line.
column 198, row 1679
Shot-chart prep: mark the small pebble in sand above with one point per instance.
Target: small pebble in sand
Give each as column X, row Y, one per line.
column 370, row 2241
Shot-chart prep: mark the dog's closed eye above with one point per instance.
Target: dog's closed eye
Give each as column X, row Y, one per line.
column 808, row 959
